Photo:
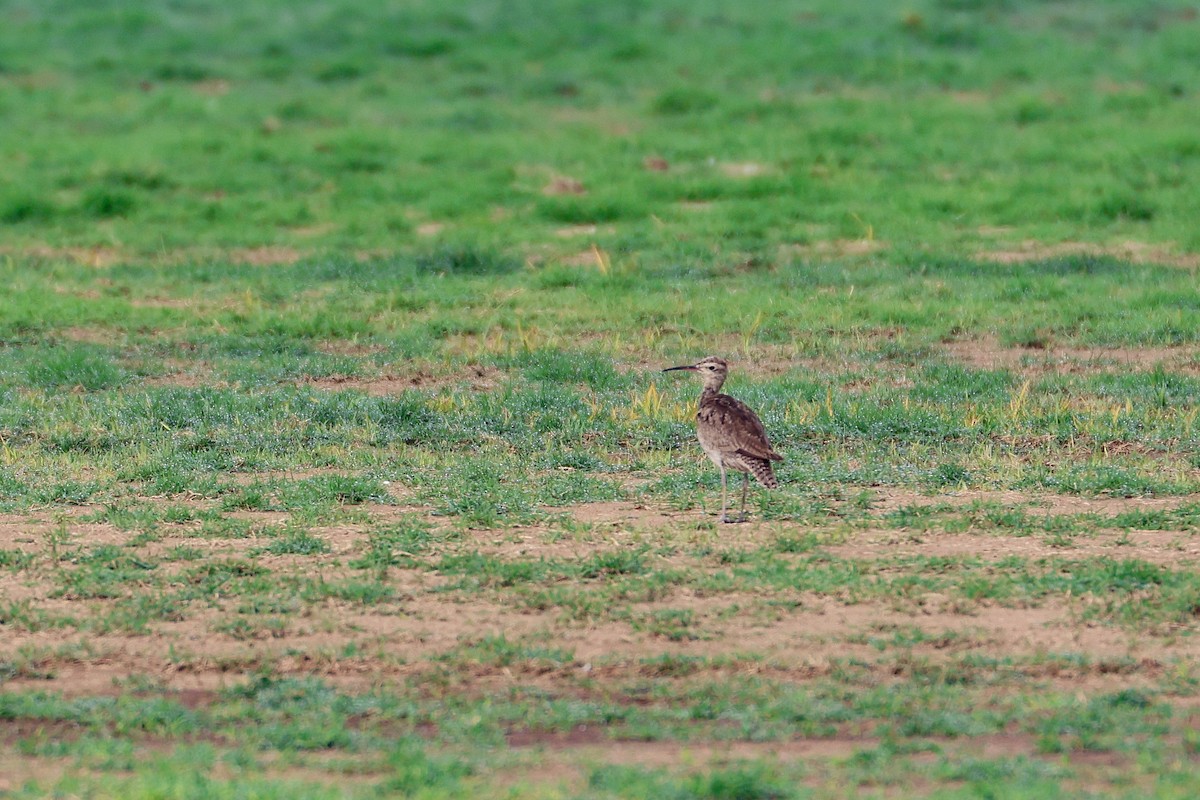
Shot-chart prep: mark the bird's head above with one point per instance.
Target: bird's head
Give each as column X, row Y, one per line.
column 712, row 371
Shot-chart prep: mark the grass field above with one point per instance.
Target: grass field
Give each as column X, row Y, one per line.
column 335, row 459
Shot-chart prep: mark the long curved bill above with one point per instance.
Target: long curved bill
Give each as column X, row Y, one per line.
column 692, row 367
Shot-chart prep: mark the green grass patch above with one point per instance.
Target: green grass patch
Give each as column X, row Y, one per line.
column 324, row 326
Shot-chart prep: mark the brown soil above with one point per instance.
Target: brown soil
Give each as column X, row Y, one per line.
column 835, row 248
column 90, row 335
column 591, row 257
column 97, row 256
column 1159, row 547
column 423, row 622
column 794, row 636
column 744, row 169
column 560, row 185
column 1035, row 504
column 1136, row 252
column 988, row 353
column 266, row 256
column 477, row 378
column 571, row 231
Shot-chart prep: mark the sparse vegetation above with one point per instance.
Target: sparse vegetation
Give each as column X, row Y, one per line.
column 335, row 459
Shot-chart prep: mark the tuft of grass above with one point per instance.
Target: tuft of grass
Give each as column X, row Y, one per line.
column 69, row 367
column 295, row 542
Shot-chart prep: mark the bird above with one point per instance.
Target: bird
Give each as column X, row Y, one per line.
column 731, row 433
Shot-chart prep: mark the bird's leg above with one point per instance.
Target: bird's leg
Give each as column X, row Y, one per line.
column 745, row 485
column 724, row 497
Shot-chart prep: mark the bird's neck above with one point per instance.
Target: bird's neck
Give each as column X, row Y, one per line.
column 710, row 390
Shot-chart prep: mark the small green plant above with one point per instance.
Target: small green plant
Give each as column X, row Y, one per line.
column 295, row 542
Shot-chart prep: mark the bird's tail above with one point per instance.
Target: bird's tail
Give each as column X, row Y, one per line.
column 761, row 469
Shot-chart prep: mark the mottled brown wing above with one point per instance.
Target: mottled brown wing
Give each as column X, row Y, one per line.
column 736, row 428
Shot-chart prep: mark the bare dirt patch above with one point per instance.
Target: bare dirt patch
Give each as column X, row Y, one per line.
column 591, row 257
column 1136, row 252
column 572, row 231
column 622, row 514
column 568, row 766
column 969, row 97
column 476, row 377
column 266, row 256
column 341, row 347
column 561, row 184
column 101, row 336
column 159, row 301
column 607, row 120
column 885, row 499
column 744, row 169
column 17, row 771
column 834, row 248
column 97, row 256
column 212, row 87
column 989, row 353
column 426, row 627
column 1157, row 547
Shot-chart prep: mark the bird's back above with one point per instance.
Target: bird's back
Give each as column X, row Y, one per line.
column 729, row 428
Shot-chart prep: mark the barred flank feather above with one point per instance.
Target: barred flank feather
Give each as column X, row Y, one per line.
column 761, row 469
